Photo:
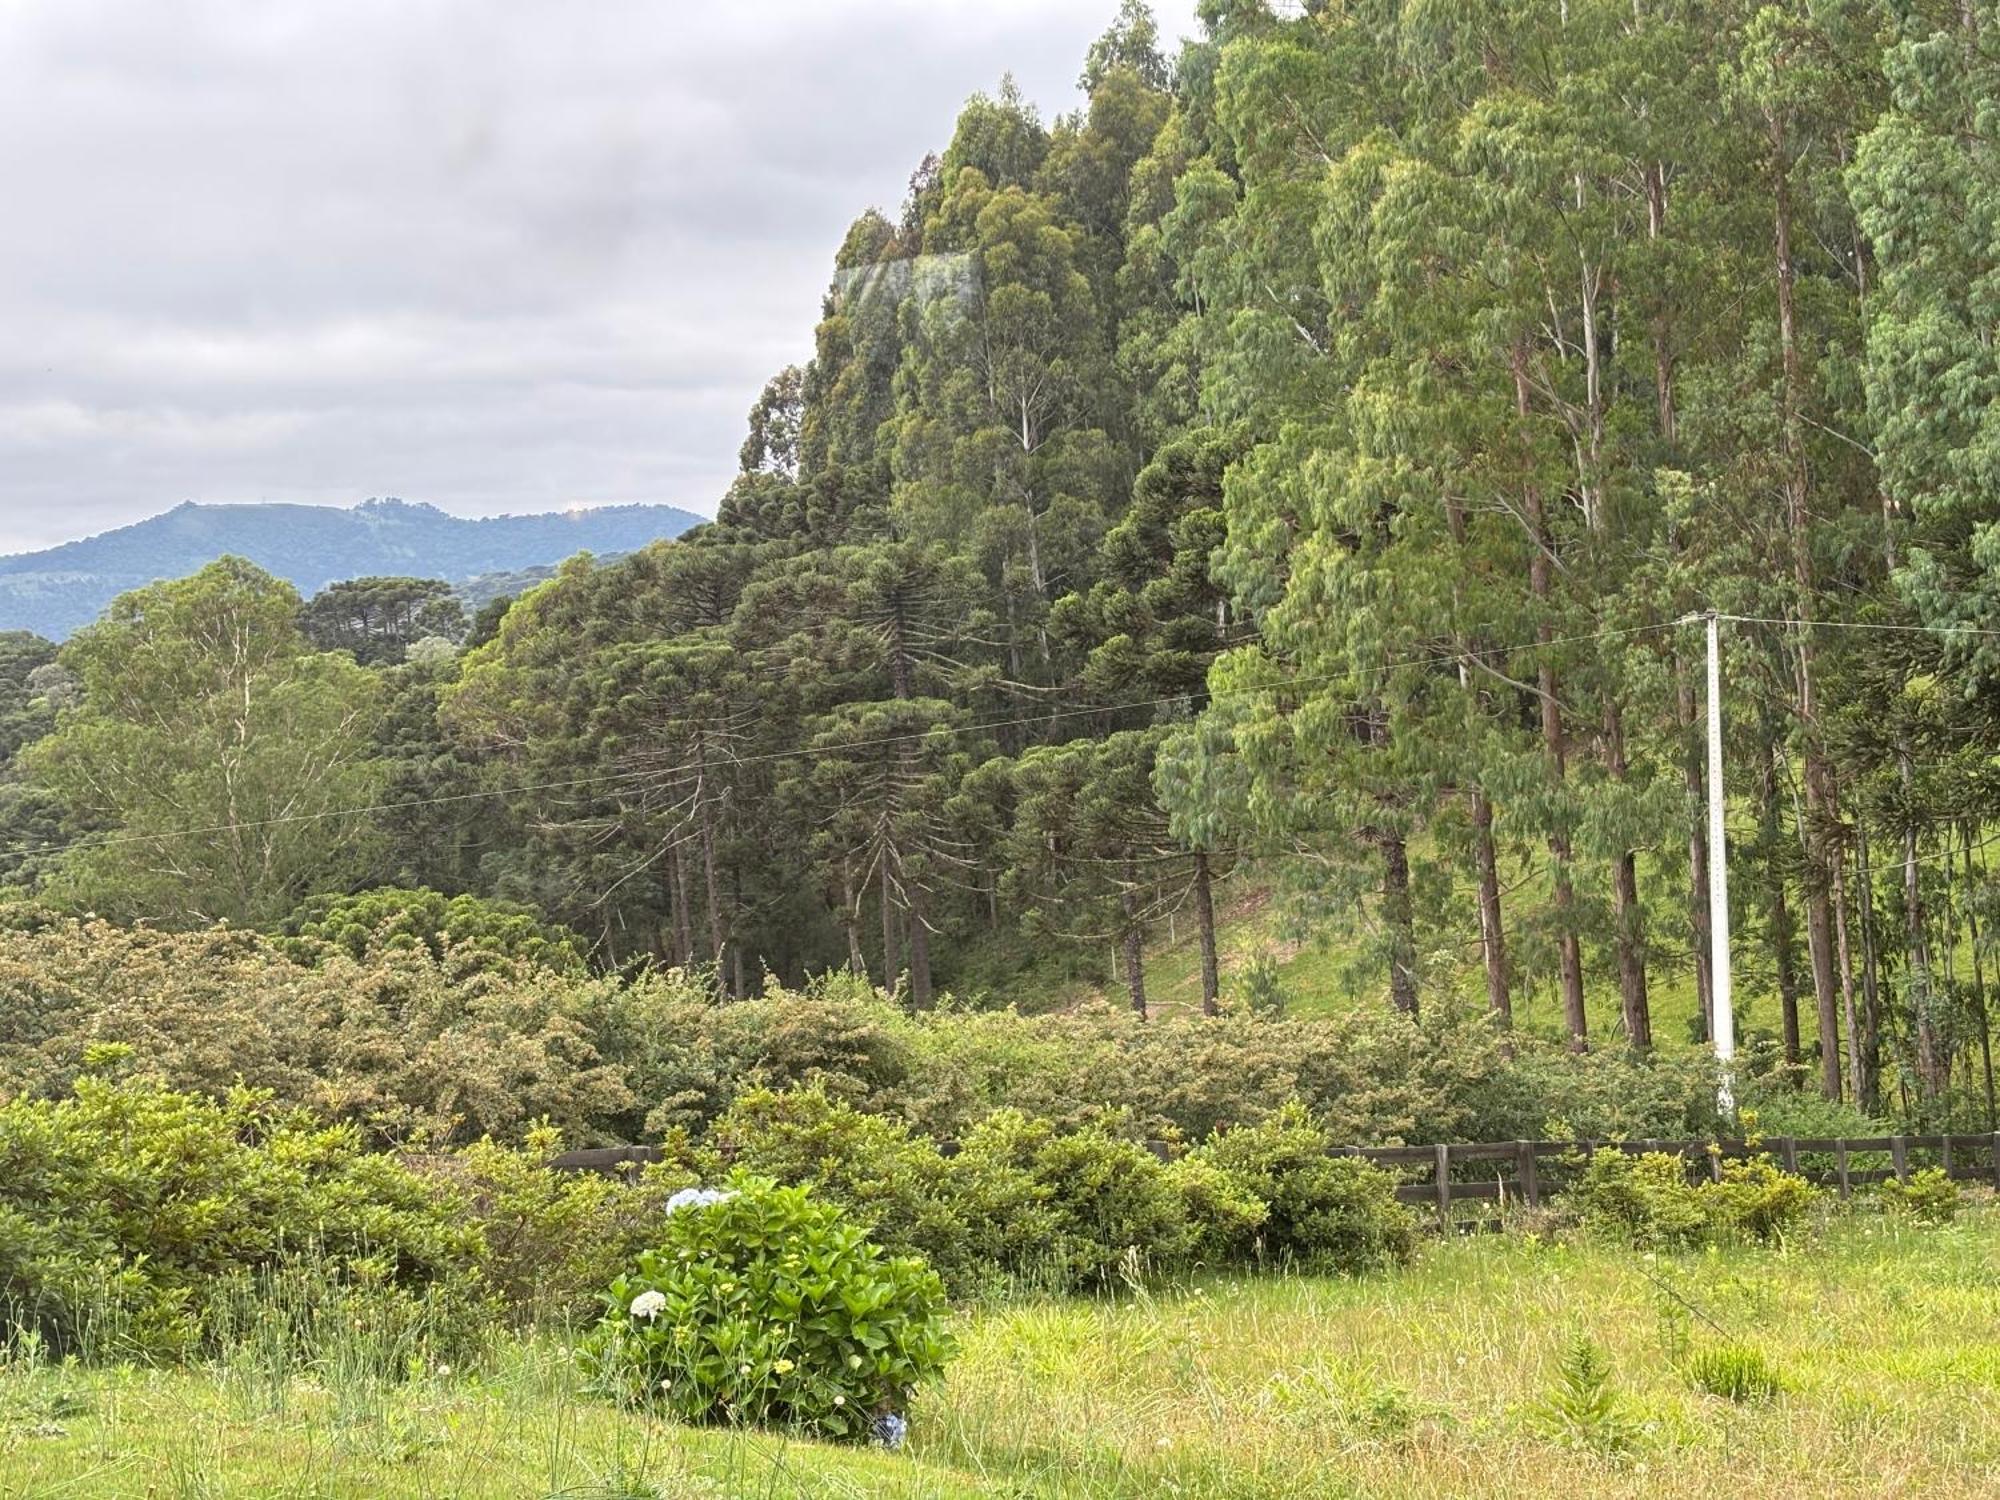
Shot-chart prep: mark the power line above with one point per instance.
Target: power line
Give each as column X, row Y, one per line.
column 1860, row 625
column 796, row 752
column 1017, row 721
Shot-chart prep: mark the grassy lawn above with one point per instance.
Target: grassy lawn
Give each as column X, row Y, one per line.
column 1424, row 1382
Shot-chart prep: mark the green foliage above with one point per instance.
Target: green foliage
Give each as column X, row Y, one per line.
column 128, row 1212
column 555, row 1239
column 1325, row 1212
column 409, row 1048
column 1930, row 1196
column 1757, row 1200
column 226, row 755
column 771, row 1308
column 894, row 1184
column 378, row 620
column 389, row 917
column 1583, row 1407
column 1736, row 1372
column 1108, row 1205
column 1223, row 1213
column 1645, row 1200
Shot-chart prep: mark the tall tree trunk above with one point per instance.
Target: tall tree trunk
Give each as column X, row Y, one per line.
column 1204, row 916
column 850, row 919
column 714, row 890
column 891, row 970
column 1699, row 929
column 1922, row 991
column 1492, row 932
column 1132, row 938
column 1541, row 581
column 921, row 997
column 1829, row 1041
column 1400, row 915
column 1868, row 1047
column 1784, row 944
column 1818, row 833
column 1630, row 915
column 1972, row 882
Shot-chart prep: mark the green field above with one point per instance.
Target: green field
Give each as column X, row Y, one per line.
column 1429, row 1381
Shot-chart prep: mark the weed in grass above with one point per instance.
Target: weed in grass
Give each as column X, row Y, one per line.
column 1583, row 1409
column 1736, row 1372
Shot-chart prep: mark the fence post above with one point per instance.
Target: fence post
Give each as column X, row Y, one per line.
column 1996, row 1161
column 1899, row 1155
column 1789, row 1146
column 1944, row 1153
column 1444, row 1187
column 1840, row 1164
column 1531, row 1193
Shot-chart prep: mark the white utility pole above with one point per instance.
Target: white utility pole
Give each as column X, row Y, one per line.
column 1724, row 1021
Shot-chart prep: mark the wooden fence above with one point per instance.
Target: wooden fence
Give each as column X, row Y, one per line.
column 1526, row 1172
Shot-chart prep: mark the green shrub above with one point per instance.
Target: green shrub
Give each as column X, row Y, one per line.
column 127, row 1210
column 555, row 1239
column 1325, row 1212
column 390, row 918
column 896, row 1185
column 1223, row 1214
column 1642, row 1200
column 1646, row 1201
column 1108, row 1204
column 1736, row 1372
column 771, row 1308
column 1929, row 1196
column 1757, row 1200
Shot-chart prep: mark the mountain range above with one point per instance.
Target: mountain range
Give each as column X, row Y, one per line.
column 56, row 591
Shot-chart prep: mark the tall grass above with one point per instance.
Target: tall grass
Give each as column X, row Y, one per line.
column 1435, row 1380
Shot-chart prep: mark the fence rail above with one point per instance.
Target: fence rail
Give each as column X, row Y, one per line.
column 1511, row 1171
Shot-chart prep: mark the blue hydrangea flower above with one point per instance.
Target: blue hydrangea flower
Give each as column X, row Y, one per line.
column 890, row 1430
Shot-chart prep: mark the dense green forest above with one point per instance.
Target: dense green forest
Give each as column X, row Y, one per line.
column 1294, row 467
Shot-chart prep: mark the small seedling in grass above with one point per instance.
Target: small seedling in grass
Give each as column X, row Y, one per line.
column 1583, row 1408
column 1736, row 1372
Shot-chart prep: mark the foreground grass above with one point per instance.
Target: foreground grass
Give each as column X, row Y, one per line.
column 1426, row 1382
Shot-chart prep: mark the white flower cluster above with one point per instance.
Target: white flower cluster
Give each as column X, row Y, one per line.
column 649, row 1305
column 697, row 1198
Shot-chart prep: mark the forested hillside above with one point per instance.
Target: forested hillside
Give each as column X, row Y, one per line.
column 1298, row 465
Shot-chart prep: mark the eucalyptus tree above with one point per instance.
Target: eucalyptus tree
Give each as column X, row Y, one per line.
column 228, row 764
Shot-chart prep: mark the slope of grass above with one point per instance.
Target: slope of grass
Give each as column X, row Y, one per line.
column 1321, row 968
column 1436, row 1380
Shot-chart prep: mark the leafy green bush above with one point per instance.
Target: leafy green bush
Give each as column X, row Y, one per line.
column 1757, row 1200
column 1107, row 1203
column 554, row 1239
column 1223, row 1214
column 1646, row 1201
column 896, row 1185
column 126, row 1210
column 1325, row 1212
column 389, row 918
column 1736, row 1372
column 1929, row 1196
column 1643, row 1200
column 772, row 1308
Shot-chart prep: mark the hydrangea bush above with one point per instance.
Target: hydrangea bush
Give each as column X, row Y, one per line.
column 761, row 1305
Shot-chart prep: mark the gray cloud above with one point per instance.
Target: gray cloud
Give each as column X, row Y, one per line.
column 494, row 254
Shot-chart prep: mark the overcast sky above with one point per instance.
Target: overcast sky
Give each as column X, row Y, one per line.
column 500, row 255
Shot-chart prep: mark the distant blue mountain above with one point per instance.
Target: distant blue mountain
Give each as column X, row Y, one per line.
column 56, row 591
